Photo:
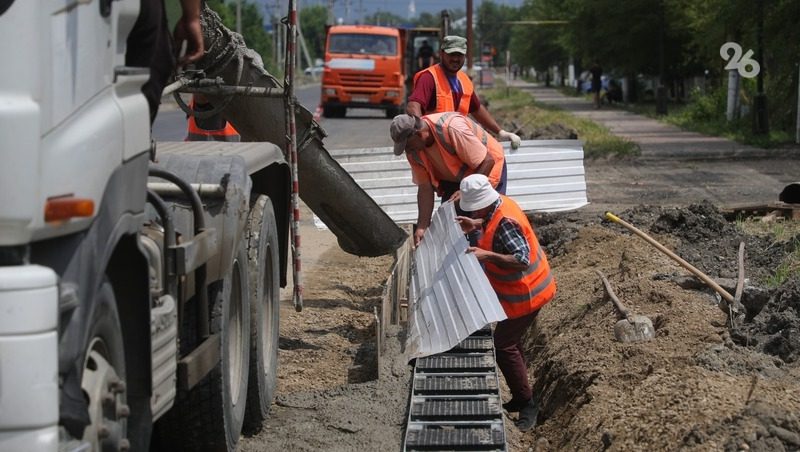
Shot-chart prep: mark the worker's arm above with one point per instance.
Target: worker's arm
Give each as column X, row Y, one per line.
column 424, row 210
column 424, row 90
column 414, row 108
column 486, row 165
column 510, row 248
column 487, row 121
column 508, row 261
column 188, row 29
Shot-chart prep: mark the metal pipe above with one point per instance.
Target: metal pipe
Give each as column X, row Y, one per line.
column 214, row 87
column 203, row 326
column 170, row 189
column 291, row 134
column 170, row 278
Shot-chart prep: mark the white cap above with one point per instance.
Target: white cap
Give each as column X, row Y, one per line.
column 477, row 193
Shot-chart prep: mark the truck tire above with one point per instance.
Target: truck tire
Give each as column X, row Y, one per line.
column 103, row 376
column 262, row 231
column 210, row 416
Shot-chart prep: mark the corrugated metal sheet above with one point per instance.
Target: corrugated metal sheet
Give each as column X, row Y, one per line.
column 543, row 175
column 449, row 297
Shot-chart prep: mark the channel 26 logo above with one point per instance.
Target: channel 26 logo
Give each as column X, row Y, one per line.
column 739, row 62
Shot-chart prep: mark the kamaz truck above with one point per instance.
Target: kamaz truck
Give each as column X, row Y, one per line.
column 369, row 66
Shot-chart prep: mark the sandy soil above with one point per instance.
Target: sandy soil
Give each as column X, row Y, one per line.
column 698, row 385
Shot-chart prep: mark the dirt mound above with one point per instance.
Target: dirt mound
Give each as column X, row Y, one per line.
column 698, row 384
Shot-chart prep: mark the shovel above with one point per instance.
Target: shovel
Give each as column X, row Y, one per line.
column 731, row 306
column 632, row 327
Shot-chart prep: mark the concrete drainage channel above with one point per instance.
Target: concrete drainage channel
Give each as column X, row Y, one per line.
column 455, row 399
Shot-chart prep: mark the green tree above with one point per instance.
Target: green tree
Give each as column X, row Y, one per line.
column 492, row 28
column 541, row 45
column 312, row 21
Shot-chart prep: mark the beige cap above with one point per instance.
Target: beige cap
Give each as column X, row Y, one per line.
column 402, row 127
column 477, row 193
column 454, row 44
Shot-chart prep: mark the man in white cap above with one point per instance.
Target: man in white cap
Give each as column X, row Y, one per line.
column 442, row 149
column 519, row 273
column 445, row 87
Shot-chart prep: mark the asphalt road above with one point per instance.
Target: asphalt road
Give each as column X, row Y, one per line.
column 361, row 127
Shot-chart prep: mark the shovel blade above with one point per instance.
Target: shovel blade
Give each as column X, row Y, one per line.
column 635, row 328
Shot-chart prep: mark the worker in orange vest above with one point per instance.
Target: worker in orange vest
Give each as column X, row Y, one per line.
column 445, row 87
column 519, row 273
column 442, row 149
column 214, row 128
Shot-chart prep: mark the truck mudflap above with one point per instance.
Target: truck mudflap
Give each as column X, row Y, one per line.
column 28, row 358
column 360, row 225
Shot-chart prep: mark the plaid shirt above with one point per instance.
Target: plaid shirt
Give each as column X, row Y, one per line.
column 508, row 237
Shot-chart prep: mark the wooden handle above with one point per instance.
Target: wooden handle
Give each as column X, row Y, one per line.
column 618, row 304
column 710, row 282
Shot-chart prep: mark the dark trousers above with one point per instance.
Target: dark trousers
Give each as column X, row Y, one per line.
column 510, row 355
column 150, row 45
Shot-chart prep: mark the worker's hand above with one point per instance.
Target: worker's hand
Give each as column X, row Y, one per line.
column 418, row 235
column 188, row 29
column 456, row 196
column 468, row 224
column 480, row 253
column 513, row 137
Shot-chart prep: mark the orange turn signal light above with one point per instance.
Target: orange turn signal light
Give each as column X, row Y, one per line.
column 64, row 208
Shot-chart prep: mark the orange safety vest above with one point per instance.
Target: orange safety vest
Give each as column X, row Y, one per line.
column 196, row 133
column 521, row 292
column 444, row 94
column 440, row 125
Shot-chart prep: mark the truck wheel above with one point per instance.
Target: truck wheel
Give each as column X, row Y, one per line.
column 391, row 112
column 210, row 416
column 103, row 377
column 264, row 311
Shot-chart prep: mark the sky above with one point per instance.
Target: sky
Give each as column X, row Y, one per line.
column 355, row 9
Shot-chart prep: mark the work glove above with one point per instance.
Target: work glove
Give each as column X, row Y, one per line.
column 512, row 137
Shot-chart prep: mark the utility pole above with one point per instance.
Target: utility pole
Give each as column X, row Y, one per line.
column 239, row 16
column 661, row 90
column 760, row 118
column 469, row 34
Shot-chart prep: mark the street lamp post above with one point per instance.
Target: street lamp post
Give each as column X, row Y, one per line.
column 760, row 118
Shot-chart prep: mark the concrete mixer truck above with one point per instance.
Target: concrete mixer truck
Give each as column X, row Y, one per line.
column 139, row 281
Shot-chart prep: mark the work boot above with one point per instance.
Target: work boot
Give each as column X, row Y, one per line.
column 514, row 405
column 527, row 416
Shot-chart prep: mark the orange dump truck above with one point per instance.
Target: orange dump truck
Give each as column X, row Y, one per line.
column 369, row 66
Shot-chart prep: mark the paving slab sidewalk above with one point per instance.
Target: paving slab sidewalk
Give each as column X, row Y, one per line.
column 655, row 138
column 676, row 167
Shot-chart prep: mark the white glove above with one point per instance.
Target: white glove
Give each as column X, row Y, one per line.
column 513, row 137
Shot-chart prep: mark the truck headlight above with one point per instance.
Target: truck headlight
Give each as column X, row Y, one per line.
column 392, row 93
column 330, row 91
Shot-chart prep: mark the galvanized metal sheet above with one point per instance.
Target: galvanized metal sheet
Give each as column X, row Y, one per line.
column 449, row 296
column 543, row 175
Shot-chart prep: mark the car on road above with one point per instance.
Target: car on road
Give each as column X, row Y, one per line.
column 314, row 70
